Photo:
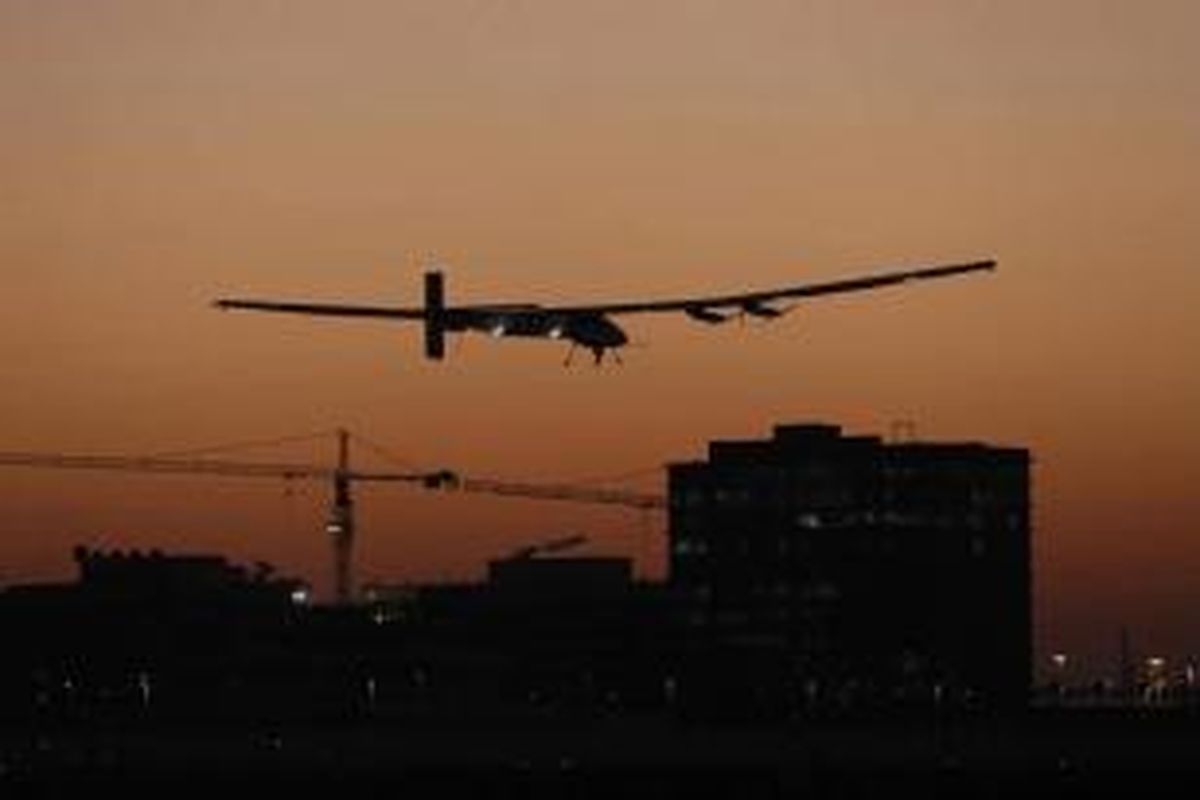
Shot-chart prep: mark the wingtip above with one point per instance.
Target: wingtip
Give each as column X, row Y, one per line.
column 982, row 264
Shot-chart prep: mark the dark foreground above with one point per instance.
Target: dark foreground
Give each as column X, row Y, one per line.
column 1062, row 754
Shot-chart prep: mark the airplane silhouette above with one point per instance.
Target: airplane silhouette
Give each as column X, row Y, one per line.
column 589, row 326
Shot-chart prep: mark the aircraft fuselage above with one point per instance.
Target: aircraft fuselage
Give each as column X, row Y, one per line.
column 586, row 330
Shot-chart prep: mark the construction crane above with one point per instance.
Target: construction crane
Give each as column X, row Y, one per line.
column 340, row 524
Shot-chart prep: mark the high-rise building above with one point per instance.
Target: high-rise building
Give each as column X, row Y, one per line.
column 878, row 572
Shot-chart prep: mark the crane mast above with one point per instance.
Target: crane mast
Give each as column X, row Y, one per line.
column 341, row 522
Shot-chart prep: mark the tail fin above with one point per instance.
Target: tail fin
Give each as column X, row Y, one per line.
column 435, row 316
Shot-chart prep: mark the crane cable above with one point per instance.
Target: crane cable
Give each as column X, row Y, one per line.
column 244, row 444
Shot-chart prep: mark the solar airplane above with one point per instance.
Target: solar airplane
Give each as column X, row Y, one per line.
column 590, row 326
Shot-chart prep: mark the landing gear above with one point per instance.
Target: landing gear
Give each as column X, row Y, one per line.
column 598, row 353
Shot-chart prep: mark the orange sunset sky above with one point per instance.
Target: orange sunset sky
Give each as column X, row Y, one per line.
column 160, row 153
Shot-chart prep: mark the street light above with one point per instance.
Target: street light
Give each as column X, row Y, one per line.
column 1059, row 660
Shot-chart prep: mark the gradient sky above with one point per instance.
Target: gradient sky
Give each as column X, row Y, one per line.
column 159, row 153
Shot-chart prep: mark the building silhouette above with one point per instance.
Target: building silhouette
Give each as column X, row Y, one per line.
column 846, row 571
column 140, row 632
column 809, row 574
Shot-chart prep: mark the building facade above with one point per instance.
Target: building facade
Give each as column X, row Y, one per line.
column 869, row 572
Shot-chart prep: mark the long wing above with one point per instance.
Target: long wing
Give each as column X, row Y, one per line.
column 754, row 299
column 746, row 300
column 322, row 309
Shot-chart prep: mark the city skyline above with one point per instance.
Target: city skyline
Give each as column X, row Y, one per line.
column 157, row 156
